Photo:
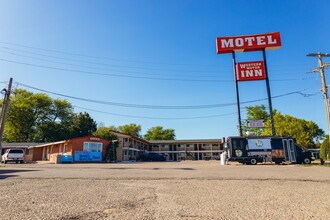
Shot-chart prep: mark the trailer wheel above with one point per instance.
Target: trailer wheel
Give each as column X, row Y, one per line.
column 307, row 160
column 253, row 161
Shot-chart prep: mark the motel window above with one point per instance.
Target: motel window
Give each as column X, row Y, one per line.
column 190, row 145
column 215, row 145
column 206, row 145
column 181, row 145
column 93, row 146
column 28, row 151
column 165, row 145
column 65, row 148
column 125, row 139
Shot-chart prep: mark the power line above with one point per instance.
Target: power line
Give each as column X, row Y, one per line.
column 9, row 51
column 95, row 63
column 98, row 57
column 161, row 118
column 130, row 76
column 114, row 75
column 161, row 106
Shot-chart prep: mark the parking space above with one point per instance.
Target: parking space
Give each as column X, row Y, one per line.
column 163, row 190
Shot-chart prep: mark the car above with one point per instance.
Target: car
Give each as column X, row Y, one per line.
column 153, row 157
column 304, row 156
column 14, row 155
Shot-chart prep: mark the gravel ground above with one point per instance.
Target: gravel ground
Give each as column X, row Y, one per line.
column 169, row 190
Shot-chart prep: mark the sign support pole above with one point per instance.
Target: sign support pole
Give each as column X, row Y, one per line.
column 269, row 96
column 240, row 132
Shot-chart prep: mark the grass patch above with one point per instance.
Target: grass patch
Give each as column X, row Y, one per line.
column 317, row 164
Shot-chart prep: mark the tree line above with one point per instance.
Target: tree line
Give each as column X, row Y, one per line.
column 39, row 118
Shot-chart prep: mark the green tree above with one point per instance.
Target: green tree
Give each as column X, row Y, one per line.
column 132, row 129
column 36, row 117
column 82, row 125
column 305, row 132
column 325, row 149
column 55, row 126
column 104, row 132
column 158, row 133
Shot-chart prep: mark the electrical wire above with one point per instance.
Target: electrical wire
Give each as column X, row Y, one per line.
column 121, row 60
column 101, row 58
column 96, row 63
column 161, row 118
column 114, row 75
column 161, row 106
column 130, row 76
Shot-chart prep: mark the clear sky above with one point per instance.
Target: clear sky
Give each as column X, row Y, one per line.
column 156, row 53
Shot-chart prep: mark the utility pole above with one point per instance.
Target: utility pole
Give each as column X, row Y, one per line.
column 324, row 85
column 4, row 110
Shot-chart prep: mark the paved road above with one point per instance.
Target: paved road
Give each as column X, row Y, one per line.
column 168, row 190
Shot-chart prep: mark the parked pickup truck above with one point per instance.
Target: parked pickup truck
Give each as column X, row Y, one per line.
column 14, row 155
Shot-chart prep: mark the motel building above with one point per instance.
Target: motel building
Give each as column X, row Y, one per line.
column 128, row 148
column 177, row 150
column 131, row 147
column 81, row 149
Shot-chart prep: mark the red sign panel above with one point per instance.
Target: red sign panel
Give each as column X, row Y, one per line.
column 248, row 71
column 248, row 42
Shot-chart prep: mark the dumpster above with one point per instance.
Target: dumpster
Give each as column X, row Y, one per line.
column 66, row 158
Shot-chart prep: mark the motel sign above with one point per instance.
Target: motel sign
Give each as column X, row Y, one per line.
column 248, row 71
column 248, row 43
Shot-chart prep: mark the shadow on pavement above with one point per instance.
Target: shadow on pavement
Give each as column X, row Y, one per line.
column 10, row 173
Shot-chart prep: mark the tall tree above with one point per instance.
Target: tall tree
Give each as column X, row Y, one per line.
column 55, row 125
column 132, row 129
column 159, row 133
column 82, row 125
column 31, row 117
column 305, row 132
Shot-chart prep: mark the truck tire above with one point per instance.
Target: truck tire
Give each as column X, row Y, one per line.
column 307, row 160
column 253, row 161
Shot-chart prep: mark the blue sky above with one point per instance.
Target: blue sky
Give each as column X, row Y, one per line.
column 162, row 53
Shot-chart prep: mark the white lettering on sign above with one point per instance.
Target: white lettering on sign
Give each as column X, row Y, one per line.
column 248, row 43
column 250, row 71
column 94, row 138
column 227, row 43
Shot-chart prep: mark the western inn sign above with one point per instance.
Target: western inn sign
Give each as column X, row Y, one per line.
column 250, row 71
column 248, row 42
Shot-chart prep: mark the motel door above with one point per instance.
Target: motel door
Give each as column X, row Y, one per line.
column 289, row 150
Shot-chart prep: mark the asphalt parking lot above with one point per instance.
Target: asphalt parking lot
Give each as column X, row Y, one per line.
column 164, row 190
